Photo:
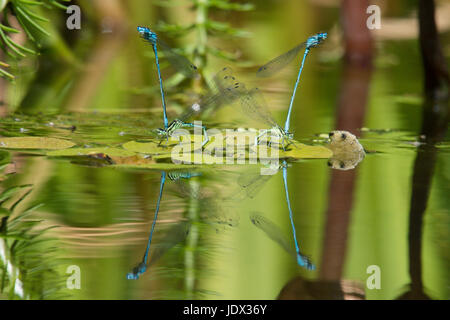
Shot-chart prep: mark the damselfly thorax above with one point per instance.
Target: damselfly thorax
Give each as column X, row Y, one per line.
column 176, row 124
column 276, row 135
column 173, row 126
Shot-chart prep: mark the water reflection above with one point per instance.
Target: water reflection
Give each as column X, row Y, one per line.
column 213, row 212
column 252, row 183
column 434, row 128
column 142, row 267
column 25, row 274
column 207, row 210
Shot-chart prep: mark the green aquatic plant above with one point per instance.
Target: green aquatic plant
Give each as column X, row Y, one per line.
column 205, row 25
column 30, row 23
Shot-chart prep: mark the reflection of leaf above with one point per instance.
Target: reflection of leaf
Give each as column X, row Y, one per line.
column 35, row 143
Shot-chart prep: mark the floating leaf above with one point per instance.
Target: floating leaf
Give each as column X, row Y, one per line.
column 156, row 166
column 149, row 147
column 158, row 147
column 35, row 143
column 302, row 151
column 196, row 158
column 112, row 152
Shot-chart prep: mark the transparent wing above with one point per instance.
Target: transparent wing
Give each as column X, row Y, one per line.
column 173, row 236
column 275, row 65
column 224, row 80
column 252, row 102
column 255, row 106
column 214, row 212
column 272, row 231
column 179, row 62
column 181, row 180
column 225, row 91
column 253, row 182
column 275, row 234
column 210, row 101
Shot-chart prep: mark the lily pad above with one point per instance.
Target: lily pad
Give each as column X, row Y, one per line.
column 148, row 147
column 35, row 143
column 299, row 150
column 112, row 152
column 161, row 147
column 155, row 166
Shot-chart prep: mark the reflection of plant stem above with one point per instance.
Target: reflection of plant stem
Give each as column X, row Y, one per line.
column 192, row 240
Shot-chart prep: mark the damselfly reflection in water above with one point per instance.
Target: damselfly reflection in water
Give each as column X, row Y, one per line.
column 280, row 62
column 211, row 212
column 277, row 235
column 252, row 184
column 142, row 267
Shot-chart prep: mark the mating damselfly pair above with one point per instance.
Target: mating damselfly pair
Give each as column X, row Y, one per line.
column 228, row 89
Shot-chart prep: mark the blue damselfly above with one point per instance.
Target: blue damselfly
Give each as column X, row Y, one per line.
column 280, row 62
column 181, row 63
column 254, row 105
column 221, row 94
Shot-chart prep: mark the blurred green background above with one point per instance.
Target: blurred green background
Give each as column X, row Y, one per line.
column 102, row 79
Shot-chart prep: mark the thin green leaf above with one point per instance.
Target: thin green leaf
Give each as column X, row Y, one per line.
column 23, row 14
column 8, row 193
